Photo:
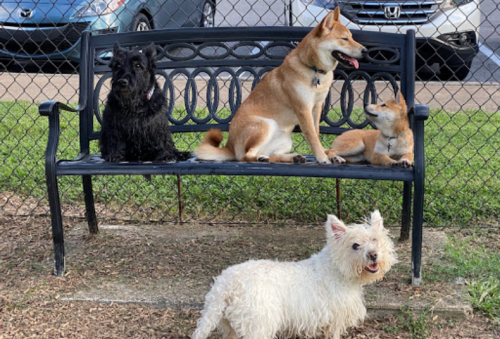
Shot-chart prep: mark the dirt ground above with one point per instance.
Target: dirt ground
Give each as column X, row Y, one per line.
column 35, row 304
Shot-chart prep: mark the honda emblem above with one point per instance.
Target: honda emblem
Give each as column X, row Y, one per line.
column 392, row 12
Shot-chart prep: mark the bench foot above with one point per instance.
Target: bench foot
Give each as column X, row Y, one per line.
column 406, row 214
column 89, row 204
column 179, row 197
column 416, row 281
column 57, row 226
column 417, row 233
column 59, row 260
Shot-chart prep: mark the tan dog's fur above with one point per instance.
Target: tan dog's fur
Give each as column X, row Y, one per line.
column 261, row 128
column 391, row 119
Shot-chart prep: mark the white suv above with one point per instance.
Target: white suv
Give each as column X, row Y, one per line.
column 447, row 30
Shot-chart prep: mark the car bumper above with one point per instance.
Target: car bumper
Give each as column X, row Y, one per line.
column 433, row 50
column 464, row 18
column 42, row 43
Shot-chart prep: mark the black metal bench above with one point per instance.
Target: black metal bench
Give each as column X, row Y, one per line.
column 212, row 55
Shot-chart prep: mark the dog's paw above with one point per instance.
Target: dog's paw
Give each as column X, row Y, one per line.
column 323, row 161
column 169, row 158
column 338, row 160
column 394, row 163
column 183, row 156
column 263, row 158
column 299, row 159
column 114, row 158
column 405, row 163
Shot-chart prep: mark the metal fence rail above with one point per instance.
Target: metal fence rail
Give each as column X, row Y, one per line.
column 458, row 68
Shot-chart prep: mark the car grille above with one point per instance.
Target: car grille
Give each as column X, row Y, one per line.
column 389, row 12
column 69, row 35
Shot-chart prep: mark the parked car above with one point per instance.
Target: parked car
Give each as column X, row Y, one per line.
column 447, row 30
column 41, row 30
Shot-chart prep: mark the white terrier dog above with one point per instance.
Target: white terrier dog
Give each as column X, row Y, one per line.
column 318, row 297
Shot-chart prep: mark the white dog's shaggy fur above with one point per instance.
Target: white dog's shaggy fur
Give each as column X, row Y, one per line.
column 318, row 297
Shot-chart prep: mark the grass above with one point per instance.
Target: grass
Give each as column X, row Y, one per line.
column 471, row 255
column 462, row 184
column 474, row 256
column 480, row 266
column 484, row 294
column 418, row 326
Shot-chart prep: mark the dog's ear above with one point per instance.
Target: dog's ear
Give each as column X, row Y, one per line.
column 150, row 53
column 376, row 219
column 117, row 49
column 328, row 21
column 336, row 14
column 335, row 227
column 399, row 97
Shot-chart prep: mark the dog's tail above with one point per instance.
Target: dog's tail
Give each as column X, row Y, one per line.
column 211, row 314
column 209, row 148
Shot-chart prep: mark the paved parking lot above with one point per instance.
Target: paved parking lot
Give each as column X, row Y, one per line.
column 482, row 87
column 450, row 96
column 485, row 67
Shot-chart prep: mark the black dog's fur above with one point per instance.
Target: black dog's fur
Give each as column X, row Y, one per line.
column 135, row 127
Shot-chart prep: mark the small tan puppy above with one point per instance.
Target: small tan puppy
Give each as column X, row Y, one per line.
column 291, row 94
column 390, row 145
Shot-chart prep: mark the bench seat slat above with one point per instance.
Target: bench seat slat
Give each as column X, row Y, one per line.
column 94, row 165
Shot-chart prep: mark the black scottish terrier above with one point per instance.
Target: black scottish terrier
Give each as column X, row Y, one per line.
column 135, row 123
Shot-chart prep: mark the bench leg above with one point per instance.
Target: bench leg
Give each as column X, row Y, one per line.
column 179, row 197
column 89, row 204
column 57, row 227
column 418, row 219
column 406, row 215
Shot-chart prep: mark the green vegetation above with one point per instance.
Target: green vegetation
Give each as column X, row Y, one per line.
column 480, row 266
column 461, row 172
column 485, row 296
column 418, row 326
column 473, row 256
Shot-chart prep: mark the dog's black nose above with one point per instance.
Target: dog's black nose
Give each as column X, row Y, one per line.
column 373, row 255
column 123, row 82
column 364, row 51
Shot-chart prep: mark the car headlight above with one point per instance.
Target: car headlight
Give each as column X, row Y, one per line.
column 457, row 3
column 330, row 4
column 98, row 7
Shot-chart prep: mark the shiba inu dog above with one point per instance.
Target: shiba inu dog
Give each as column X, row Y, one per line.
column 390, row 145
column 292, row 94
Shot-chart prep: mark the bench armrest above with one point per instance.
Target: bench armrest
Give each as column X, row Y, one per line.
column 50, row 107
column 51, row 110
column 421, row 112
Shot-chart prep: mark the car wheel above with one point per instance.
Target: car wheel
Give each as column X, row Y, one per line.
column 141, row 23
column 208, row 14
column 455, row 73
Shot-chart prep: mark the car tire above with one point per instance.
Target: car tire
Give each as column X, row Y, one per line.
column 448, row 73
column 208, row 14
column 141, row 23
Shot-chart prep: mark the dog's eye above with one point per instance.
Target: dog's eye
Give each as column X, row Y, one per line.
column 355, row 247
column 138, row 66
column 345, row 39
column 383, row 105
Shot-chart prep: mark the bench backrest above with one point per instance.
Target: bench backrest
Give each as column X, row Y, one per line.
column 207, row 72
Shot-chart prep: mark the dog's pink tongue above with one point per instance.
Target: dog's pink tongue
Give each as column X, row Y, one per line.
column 354, row 62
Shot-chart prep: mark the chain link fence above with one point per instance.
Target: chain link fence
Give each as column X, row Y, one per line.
column 458, row 75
